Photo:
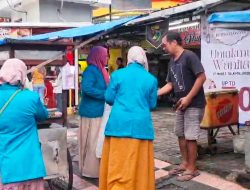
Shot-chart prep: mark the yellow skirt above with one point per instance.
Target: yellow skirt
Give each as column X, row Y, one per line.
column 127, row 164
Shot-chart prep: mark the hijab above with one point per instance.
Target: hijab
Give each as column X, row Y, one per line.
column 98, row 56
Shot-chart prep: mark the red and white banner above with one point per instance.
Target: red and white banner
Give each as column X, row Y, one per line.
column 225, row 54
column 191, row 36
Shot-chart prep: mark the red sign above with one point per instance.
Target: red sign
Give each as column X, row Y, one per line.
column 191, row 36
column 224, row 111
column 4, row 19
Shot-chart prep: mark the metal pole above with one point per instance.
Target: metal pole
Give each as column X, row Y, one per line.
column 76, row 78
column 110, row 12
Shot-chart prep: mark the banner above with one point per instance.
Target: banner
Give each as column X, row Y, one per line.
column 191, row 36
column 14, row 32
column 155, row 33
column 225, row 54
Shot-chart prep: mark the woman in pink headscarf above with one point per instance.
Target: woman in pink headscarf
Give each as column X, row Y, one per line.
column 21, row 161
column 94, row 83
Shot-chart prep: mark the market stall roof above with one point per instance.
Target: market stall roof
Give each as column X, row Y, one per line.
column 81, row 32
column 194, row 8
column 175, row 10
column 44, row 25
column 2, row 41
column 230, row 17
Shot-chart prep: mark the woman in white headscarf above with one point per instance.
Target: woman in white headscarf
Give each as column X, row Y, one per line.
column 128, row 155
column 21, row 161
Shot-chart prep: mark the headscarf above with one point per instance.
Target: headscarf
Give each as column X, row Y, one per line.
column 98, row 56
column 14, row 72
column 137, row 54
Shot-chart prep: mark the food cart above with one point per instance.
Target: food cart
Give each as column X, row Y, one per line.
column 53, row 131
column 227, row 87
column 222, row 110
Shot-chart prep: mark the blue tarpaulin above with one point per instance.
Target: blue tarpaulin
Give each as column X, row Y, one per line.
column 230, row 17
column 2, row 42
column 74, row 32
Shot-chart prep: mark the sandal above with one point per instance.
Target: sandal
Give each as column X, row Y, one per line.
column 187, row 176
column 176, row 171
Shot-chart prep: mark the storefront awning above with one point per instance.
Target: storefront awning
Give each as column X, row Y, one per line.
column 166, row 13
column 2, row 41
column 81, row 32
column 230, row 17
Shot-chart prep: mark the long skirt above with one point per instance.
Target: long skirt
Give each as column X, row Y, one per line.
column 88, row 136
column 27, row 185
column 127, row 164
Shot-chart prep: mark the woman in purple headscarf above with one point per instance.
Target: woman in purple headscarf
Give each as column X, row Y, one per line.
column 94, row 83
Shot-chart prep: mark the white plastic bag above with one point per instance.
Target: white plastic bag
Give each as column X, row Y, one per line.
column 28, row 85
column 100, row 141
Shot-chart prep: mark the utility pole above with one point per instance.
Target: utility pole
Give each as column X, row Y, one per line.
column 110, row 12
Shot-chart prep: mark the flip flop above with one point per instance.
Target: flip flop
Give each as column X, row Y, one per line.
column 176, row 171
column 187, row 176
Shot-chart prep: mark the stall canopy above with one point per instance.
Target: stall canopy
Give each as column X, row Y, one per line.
column 2, row 42
column 166, row 13
column 80, row 32
column 230, row 17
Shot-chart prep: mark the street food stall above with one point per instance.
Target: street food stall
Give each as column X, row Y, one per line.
column 53, row 140
column 228, row 33
column 49, row 50
column 225, row 56
column 222, row 110
column 34, row 53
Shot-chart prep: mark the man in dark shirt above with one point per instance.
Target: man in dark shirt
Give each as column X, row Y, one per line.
column 185, row 78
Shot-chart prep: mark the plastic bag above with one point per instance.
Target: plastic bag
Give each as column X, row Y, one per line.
column 100, row 141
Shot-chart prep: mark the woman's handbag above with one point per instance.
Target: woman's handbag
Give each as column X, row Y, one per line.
column 9, row 100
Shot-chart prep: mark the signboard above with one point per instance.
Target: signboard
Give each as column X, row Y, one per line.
column 131, row 4
column 155, row 33
column 5, row 19
column 14, row 32
column 191, row 36
column 225, row 54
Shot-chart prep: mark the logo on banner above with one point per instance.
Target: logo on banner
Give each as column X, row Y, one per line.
column 155, row 33
column 224, row 111
column 229, row 37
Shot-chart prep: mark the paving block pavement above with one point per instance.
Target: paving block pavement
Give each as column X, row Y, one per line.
column 167, row 154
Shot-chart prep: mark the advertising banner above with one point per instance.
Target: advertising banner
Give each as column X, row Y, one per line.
column 225, row 54
column 191, row 36
column 14, row 32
